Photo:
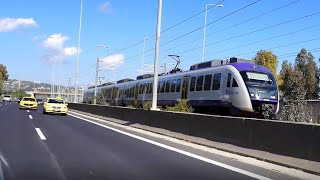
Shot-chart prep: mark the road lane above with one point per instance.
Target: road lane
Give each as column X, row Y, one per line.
column 87, row 151
column 64, row 147
column 21, row 148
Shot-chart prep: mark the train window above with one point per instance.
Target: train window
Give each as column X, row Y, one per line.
column 140, row 89
column 168, row 86
column 148, row 86
column 162, row 86
column 207, row 82
column 131, row 92
column 229, row 80
column 159, row 82
column 234, row 83
column 143, row 88
column 178, row 85
column 216, row 81
column 192, row 83
column 199, row 83
column 173, row 85
column 150, row 89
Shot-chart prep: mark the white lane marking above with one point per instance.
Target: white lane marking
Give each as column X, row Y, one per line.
column 30, row 117
column 210, row 161
column 0, row 104
column 28, row 111
column 40, row 134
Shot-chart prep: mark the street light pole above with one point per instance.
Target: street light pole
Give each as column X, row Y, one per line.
column 156, row 57
column 78, row 55
column 205, row 27
column 97, row 75
column 96, row 82
column 59, row 76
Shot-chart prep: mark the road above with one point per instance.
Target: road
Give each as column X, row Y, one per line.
column 38, row 146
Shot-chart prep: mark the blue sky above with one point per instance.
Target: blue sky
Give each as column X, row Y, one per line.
column 29, row 53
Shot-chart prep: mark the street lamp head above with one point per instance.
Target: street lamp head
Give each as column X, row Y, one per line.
column 101, row 45
column 220, row 5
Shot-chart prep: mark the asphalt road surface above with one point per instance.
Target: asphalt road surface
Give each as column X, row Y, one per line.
column 38, row 146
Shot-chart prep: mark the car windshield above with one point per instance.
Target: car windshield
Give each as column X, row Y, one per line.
column 28, row 99
column 7, row 96
column 39, row 100
column 57, row 101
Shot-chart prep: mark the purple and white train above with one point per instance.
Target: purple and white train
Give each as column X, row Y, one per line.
column 239, row 88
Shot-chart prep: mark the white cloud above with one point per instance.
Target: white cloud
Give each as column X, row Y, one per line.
column 55, row 41
column 106, row 7
column 112, row 61
column 54, row 45
column 11, row 24
column 70, row 51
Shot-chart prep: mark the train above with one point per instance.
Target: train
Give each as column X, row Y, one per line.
column 234, row 86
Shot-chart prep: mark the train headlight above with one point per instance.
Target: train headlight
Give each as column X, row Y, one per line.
column 252, row 94
column 273, row 97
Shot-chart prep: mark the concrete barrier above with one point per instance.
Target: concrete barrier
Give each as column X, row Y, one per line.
column 298, row 141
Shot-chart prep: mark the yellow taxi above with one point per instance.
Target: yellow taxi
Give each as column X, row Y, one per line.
column 55, row 105
column 28, row 103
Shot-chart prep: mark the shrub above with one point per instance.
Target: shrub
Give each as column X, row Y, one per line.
column 180, row 107
column 147, row 105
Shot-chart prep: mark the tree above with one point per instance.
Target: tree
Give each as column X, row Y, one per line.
column 269, row 60
column 305, row 63
column 20, row 93
column 293, row 108
column 3, row 75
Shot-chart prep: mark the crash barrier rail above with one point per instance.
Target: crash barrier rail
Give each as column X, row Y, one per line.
column 292, row 144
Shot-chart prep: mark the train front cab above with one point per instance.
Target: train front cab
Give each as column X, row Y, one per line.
column 263, row 92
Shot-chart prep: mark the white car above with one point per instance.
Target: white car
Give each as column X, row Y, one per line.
column 7, row 98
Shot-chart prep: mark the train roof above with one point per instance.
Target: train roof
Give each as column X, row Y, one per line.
column 249, row 67
column 219, row 62
column 243, row 65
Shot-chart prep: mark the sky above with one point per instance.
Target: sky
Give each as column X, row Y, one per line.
column 35, row 35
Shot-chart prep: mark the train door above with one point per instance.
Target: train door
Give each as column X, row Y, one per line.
column 185, row 87
column 228, row 93
column 136, row 94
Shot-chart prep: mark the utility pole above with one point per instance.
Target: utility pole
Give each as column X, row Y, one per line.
column 68, row 93
column 96, row 82
column 156, row 58
column 19, row 89
column 78, row 55
column 100, row 80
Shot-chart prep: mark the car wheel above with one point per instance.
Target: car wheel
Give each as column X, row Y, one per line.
column 44, row 112
column 64, row 114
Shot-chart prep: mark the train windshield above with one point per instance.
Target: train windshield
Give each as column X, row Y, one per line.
column 260, row 85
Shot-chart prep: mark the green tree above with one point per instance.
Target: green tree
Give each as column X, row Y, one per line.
column 3, row 75
column 305, row 63
column 293, row 108
column 20, row 93
column 269, row 60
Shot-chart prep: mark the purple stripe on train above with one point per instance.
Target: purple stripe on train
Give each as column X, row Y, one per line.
column 250, row 67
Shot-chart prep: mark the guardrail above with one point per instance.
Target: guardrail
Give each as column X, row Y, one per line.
column 292, row 144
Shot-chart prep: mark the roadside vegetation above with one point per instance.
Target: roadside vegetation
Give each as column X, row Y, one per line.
column 298, row 81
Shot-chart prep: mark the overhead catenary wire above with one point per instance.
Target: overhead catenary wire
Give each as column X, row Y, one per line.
column 271, row 48
column 199, row 28
column 167, row 29
column 235, row 25
column 252, row 32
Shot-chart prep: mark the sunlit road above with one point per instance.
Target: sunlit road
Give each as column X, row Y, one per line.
column 38, row 146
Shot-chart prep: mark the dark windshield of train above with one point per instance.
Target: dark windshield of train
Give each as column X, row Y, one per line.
column 260, row 85
column 258, row 79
